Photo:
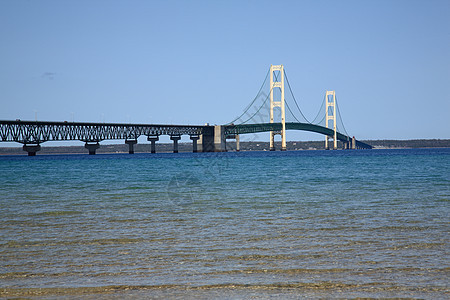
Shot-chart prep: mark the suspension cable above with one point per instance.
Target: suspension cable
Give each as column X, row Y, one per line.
column 323, row 103
column 276, row 80
column 293, row 113
column 340, row 118
column 295, row 101
column 250, row 105
column 323, row 118
column 263, row 103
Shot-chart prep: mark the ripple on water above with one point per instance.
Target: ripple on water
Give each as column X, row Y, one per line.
column 348, row 225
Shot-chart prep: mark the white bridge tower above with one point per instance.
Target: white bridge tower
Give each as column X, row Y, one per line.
column 330, row 115
column 277, row 84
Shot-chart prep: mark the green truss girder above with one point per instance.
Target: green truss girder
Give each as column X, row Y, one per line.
column 265, row 127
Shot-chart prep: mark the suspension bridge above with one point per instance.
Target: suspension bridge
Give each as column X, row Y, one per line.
column 274, row 110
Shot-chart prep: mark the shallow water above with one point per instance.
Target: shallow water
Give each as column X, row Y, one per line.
column 250, row 224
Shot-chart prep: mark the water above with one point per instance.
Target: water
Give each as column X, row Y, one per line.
column 307, row 224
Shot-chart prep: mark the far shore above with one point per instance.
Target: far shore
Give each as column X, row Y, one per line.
column 231, row 146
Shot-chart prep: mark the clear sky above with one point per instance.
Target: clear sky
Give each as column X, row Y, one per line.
column 192, row 62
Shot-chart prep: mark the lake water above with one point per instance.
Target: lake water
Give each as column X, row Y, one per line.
column 295, row 224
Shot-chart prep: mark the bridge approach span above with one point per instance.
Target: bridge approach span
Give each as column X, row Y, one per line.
column 32, row 133
column 36, row 132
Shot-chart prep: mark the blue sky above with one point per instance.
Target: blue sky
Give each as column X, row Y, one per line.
column 192, row 62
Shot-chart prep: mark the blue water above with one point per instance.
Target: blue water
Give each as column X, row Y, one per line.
column 360, row 223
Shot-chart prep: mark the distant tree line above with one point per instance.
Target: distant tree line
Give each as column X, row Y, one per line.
column 436, row 143
column 231, row 146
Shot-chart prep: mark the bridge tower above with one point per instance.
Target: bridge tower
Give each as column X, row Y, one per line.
column 277, row 84
column 330, row 115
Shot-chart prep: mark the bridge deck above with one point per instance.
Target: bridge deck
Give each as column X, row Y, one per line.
column 29, row 132
column 36, row 132
column 264, row 127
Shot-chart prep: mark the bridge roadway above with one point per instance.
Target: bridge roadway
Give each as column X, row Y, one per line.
column 32, row 133
column 264, row 127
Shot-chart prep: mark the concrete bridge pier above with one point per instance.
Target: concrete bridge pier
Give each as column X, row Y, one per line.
column 131, row 144
column 175, row 139
column 327, row 144
column 153, row 139
column 194, row 139
column 219, row 139
column 272, row 141
column 207, row 139
column 92, row 147
column 200, row 143
column 31, row 149
column 353, row 143
column 212, row 139
column 233, row 137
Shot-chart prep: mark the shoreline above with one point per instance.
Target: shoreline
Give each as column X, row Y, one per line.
column 231, row 146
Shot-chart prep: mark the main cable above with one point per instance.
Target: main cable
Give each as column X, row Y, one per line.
column 318, row 113
column 295, row 101
column 263, row 103
column 340, row 118
column 250, row 105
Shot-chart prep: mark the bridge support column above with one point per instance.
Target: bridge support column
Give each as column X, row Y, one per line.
column 232, row 137
column 330, row 115
column 327, row 144
column 194, row 139
column 92, row 147
column 272, row 141
column 131, row 144
column 219, row 139
column 200, row 143
column 153, row 139
column 278, row 83
column 353, row 143
column 207, row 139
column 175, row 139
column 31, row 149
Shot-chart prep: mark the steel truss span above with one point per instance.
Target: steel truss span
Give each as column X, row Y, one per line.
column 36, row 132
column 263, row 127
